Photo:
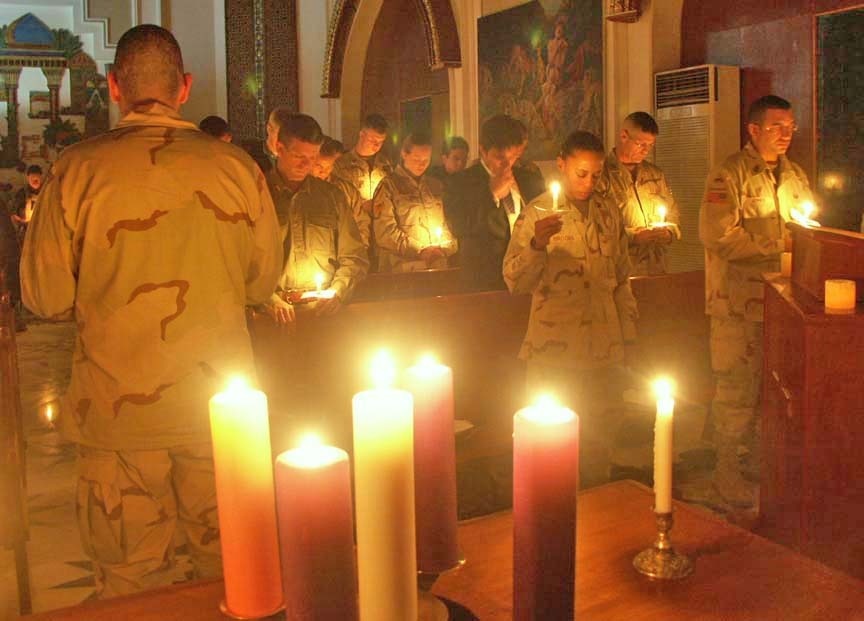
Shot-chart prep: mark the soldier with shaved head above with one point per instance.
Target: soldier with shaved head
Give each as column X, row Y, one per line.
column 153, row 238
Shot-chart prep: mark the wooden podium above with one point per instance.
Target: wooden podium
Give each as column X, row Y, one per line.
column 812, row 487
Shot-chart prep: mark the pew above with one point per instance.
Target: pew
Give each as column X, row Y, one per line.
column 13, row 518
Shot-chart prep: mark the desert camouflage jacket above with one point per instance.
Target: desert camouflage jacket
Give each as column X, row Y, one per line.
column 153, row 237
column 742, row 226
column 582, row 308
column 356, row 171
column 638, row 202
column 409, row 216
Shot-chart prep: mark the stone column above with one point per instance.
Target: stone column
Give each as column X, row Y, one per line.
column 54, row 75
column 10, row 83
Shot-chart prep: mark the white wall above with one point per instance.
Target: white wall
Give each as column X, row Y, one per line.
column 199, row 26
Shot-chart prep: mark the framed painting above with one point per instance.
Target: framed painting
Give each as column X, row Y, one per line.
column 541, row 62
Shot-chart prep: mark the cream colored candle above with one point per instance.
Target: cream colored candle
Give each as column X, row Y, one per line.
column 786, row 264
column 384, row 491
column 555, row 188
column 663, row 446
column 246, row 503
column 661, row 214
column 839, row 295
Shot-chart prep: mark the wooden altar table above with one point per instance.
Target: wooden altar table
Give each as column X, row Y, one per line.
column 738, row 576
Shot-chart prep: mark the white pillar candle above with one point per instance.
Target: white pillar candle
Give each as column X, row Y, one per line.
column 384, row 491
column 555, row 188
column 839, row 295
column 663, row 447
column 786, row 264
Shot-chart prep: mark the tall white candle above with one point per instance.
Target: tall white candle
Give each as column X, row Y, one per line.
column 555, row 188
column 663, row 446
column 661, row 213
column 384, row 491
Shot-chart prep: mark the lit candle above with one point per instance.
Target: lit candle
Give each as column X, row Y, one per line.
column 316, row 533
column 661, row 213
column 247, row 508
column 839, row 295
column 319, row 281
column 555, row 188
column 384, row 488
column 807, row 209
column 663, row 446
column 431, row 385
column 786, row 264
column 545, row 483
column 439, row 235
column 50, row 415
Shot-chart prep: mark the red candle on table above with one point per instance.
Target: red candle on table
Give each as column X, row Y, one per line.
column 431, row 384
column 545, row 483
column 316, row 534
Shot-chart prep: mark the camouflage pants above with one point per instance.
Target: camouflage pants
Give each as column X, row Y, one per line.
column 736, row 359
column 129, row 506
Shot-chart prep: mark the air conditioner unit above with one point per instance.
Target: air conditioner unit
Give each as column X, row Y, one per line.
column 698, row 112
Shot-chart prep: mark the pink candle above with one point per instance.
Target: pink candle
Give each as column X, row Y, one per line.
column 431, row 384
column 246, row 503
column 316, row 534
column 545, row 483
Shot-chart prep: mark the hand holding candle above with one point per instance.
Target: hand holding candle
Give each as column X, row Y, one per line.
column 663, row 455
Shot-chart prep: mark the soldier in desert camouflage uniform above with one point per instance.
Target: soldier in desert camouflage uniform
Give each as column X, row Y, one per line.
column 410, row 227
column 153, row 238
column 748, row 199
column 575, row 265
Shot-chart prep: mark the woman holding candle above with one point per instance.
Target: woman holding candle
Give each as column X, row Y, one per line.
column 575, row 264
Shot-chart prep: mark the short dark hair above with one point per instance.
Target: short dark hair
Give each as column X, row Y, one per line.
column 756, row 112
column 216, row 126
column 501, row 132
column 416, row 139
column 300, row 126
column 454, row 142
column 148, row 60
column 644, row 121
column 34, row 169
column 377, row 123
column 581, row 141
column 331, row 147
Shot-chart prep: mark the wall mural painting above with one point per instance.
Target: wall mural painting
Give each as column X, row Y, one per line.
column 28, row 44
column 541, row 62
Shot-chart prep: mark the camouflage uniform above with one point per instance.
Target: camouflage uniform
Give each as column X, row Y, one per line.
column 153, row 237
column 582, row 308
column 319, row 236
column 407, row 213
column 356, row 171
column 742, row 225
column 361, row 209
column 638, row 201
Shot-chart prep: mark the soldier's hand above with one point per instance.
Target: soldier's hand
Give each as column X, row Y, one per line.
column 501, row 183
column 431, row 253
column 544, row 229
column 326, row 307
column 280, row 311
column 644, row 237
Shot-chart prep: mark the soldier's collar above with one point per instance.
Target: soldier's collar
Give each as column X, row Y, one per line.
column 155, row 113
column 756, row 164
column 277, row 182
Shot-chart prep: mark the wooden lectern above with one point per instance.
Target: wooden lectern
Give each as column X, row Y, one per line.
column 812, row 486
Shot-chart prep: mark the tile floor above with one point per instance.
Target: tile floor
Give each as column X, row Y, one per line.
column 61, row 574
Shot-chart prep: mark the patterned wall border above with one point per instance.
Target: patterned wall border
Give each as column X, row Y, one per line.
column 439, row 24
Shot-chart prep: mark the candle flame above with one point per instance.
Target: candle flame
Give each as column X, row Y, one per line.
column 663, row 388
column 312, row 453
column 428, row 366
column 439, row 234
column 319, row 281
column 383, row 369
column 555, row 188
column 237, row 384
column 804, row 214
column 547, row 410
column 49, row 414
column 310, row 440
column 661, row 213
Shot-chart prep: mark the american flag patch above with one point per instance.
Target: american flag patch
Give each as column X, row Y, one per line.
column 716, row 197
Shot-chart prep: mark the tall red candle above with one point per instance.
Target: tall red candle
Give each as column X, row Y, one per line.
column 545, row 483
column 316, row 534
column 431, row 384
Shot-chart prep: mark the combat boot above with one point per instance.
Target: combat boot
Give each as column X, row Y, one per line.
column 728, row 481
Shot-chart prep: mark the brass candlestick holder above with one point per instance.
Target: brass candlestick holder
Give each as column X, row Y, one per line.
column 430, row 608
column 662, row 561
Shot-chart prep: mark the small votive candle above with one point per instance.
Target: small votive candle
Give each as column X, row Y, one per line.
column 839, row 295
column 786, row 264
